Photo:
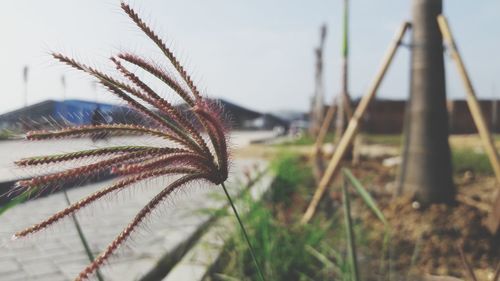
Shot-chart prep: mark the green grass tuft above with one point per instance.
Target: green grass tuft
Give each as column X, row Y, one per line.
column 291, row 172
column 306, row 139
column 280, row 249
column 469, row 160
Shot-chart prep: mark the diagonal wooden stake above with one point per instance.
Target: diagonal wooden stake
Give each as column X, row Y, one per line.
column 352, row 127
column 317, row 153
column 325, row 126
column 477, row 116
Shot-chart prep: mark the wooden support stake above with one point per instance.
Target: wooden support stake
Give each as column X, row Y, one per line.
column 317, row 153
column 472, row 101
column 353, row 125
column 475, row 110
column 327, row 121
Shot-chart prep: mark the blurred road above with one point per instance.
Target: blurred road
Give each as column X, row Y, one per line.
column 57, row 254
column 11, row 151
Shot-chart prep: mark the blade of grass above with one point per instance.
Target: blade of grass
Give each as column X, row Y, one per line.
column 304, row 276
column 351, row 243
column 323, row 259
column 261, row 276
column 332, row 252
column 224, row 277
column 415, row 255
column 372, row 204
column 85, row 244
column 365, row 195
column 14, row 202
column 386, row 254
column 341, row 263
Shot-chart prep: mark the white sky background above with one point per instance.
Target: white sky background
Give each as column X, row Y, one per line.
column 256, row 53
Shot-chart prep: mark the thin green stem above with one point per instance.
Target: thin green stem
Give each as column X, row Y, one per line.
column 244, row 232
column 351, row 239
column 82, row 238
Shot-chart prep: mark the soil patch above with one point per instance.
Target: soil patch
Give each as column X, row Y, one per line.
column 426, row 241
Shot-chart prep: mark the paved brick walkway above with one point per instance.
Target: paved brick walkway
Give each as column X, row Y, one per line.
column 57, row 254
column 11, row 151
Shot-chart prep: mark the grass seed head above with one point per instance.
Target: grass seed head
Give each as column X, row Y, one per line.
column 188, row 155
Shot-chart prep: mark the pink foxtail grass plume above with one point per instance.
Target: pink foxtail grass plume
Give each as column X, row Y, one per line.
column 192, row 159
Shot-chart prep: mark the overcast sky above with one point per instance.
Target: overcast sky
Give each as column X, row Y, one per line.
column 256, row 53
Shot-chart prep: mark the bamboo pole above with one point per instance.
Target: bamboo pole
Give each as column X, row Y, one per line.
column 472, row 101
column 344, row 107
column 493, row 220
column 353, row 125
column 324, row 128
column 317, row 153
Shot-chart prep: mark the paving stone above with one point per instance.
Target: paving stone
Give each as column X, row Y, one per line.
column 50, row 277
column 70, row 270
column 39, row 268
column 14, row 276
column 8, row 266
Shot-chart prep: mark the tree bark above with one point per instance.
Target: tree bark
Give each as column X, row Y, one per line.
column 427, row 168
column 318, row 101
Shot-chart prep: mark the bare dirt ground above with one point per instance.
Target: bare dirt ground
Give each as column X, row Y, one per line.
column 427, row 241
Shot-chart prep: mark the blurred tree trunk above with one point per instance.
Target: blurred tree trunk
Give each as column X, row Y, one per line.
column 318, row 100
column 427, row 168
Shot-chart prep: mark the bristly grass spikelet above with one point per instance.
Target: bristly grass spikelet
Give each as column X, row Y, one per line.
column 188, row 156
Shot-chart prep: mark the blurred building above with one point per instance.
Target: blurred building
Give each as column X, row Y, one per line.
column 385, row 116
column 268, row 121
column 52, row 114
column 461, row 121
